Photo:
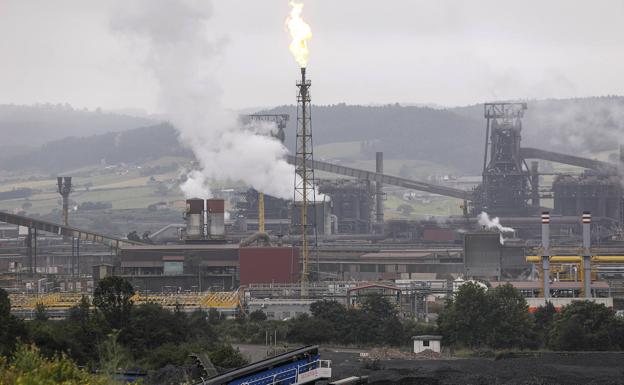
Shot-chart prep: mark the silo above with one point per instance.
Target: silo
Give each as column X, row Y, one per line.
column 194, row 218
column 215, row 209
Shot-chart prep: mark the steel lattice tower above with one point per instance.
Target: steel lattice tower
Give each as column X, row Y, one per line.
column 304, row 176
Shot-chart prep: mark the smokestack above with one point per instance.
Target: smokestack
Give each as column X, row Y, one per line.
column 216, row 218
column 586, row 220
column 65, row 188
column 379, row 193
column 194, row 216
column 546, row 254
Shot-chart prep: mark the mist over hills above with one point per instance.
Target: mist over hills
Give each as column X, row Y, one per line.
column 579, row 125
column 33, row 126
column 439, row 136
column 130, row 146
column 452, row 137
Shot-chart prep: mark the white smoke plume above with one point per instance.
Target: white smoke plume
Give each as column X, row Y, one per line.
column 494, row 223
column 183, row 54
column 575, row 126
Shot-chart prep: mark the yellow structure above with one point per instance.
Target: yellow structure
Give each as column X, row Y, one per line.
column 220, row 300
column 578, row 260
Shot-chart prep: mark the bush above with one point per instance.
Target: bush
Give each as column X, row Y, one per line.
column 585, row 325
column 498, row 318
column 257, row 316
column 28, row 367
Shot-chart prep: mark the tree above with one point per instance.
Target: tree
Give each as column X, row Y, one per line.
column 544, row 317
column 112, row 355
column 113, row 297
column 329, row 310
column 40, row 312
column 11, row 328
column 310, row 330
column 80, row 313
column 510, row 324
column 226, row 357
column 465, row 319
column 586, row 325
column 257, row 316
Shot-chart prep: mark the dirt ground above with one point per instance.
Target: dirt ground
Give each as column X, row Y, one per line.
column 515, row 369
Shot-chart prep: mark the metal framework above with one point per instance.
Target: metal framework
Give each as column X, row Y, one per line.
column 66, row 231
column 386, row 179
column 505, row 184
column 65, row 188
column 280, row 120
column 304, row 174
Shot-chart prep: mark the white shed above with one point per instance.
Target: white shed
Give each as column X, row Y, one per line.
column 427, row 342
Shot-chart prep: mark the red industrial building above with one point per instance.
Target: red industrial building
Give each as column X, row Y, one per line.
column 268, row 265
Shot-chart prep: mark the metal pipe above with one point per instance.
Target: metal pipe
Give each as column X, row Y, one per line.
column 577, row 258
column 535, row 200
column 546, row 254
column 379, row 210
column 586, row 220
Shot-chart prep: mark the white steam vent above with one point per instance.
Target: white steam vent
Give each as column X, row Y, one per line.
column 494, row 223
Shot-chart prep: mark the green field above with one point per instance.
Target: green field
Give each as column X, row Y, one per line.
column 125, row 188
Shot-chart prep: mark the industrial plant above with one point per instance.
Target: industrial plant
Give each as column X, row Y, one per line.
column 555, row 236
column 332, row 241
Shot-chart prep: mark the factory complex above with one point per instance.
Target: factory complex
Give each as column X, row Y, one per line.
column 279, row 256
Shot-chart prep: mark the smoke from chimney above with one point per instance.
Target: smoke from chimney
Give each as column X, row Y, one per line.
column 485, row 221
column 183, row 54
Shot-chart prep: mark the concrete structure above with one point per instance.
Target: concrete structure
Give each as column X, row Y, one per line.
column 558, row 303
column 427, row 342
column 485, row 257
column 281, row 309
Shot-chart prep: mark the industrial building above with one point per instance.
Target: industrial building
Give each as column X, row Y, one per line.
column 279, row 255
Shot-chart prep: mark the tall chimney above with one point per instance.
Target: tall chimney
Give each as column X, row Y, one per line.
column 65, row 188
column 586, row 219
column 216, row 218
column 546, row 254
column 194, row 217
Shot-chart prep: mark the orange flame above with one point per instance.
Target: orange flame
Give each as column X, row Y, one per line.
column 300, row 32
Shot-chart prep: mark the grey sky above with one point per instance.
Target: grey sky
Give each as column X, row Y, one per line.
column 442, row 52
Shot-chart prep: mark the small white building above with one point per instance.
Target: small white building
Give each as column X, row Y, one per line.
column 427, row 342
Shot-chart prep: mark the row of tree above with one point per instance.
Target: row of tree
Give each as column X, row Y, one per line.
column 115, row 334
column 499, row 319
column 475, row 318
column 374, row 322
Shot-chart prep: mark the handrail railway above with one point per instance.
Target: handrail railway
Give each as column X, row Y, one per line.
column 296, row 367
column 66, row 231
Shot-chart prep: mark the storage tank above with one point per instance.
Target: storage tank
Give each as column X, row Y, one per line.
column 215, row 209
column 194, row 216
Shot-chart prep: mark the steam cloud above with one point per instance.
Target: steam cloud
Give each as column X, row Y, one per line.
column 183, row 55
column 484, row 220
column 573, row 126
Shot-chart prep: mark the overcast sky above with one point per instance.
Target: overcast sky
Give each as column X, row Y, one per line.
column 367, row 51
